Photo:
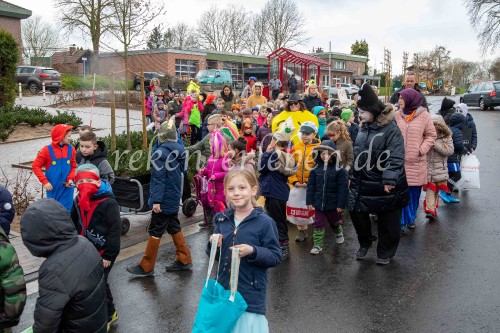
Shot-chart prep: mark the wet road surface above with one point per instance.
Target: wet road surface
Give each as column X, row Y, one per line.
column 445, row 276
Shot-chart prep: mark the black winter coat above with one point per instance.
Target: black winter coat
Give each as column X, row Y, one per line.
column 470, row 133
column 327, row 187
column 72, row 290
column 274, row 173
column 380, row 142
column 457, row 123
column 312, row 101
column 395, row 96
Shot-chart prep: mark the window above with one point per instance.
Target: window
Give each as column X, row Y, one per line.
column 335, row 79
column 339, row 64
column 326, row 80
column 235, row 68
column 186, row 68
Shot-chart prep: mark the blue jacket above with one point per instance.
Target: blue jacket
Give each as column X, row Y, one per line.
column 167, row 165
column 327, row 187
column 6, row 209
column 457, row 123
column 257, row 230
column 273, row 177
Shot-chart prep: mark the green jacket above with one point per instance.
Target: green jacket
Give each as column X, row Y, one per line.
column 203, row 146
column 13, row 286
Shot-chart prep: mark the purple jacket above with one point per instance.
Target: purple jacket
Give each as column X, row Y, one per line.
column 264, row 136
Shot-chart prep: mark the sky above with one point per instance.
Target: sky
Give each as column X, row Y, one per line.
column 397, row 25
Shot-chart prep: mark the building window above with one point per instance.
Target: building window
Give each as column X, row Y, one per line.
column 236, row 70
column 339, row 64
column 186, row 68
column 335, row 79
column 326, row 80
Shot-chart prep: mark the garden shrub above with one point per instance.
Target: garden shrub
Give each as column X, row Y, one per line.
column 9, row 56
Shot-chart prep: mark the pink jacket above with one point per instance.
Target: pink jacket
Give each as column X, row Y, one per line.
column 216, row 170
column 187, row 106
column 419, row 136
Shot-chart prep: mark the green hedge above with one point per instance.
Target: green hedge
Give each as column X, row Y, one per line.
column 139, row 157
column 8, row 60
column 12, row 116
column 74, row 82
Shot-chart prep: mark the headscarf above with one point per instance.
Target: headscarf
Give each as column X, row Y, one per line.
column 413, row 99
column 463, row 108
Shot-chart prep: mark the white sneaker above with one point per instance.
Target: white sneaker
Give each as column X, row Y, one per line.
column 316, row 249
column 339, row 237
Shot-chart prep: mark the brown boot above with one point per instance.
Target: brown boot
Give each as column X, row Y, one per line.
column 148, row 261
column 182, row 254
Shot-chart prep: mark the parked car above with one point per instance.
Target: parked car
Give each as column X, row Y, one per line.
column 351, row 89
column 331, row 91
column 33, row 77
column 148, row 76
column 215, row 77
column 484, row 94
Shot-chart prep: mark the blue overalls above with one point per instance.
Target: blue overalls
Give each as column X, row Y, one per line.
column 56, row 174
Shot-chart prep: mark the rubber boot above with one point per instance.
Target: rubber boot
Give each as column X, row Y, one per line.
column 444, row 196
column 318, row 237
column 148, row 260
column 182, row 254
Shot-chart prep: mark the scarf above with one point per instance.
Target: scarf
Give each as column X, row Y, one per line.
column 86, row 190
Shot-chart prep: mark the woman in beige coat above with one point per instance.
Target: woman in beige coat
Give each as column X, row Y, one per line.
column 437, row 167
column 419, row 135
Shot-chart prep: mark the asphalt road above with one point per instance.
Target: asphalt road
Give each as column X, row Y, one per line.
column 445, row 276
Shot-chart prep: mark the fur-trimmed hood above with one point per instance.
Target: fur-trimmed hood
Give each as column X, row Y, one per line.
column 385, row 117
column 442, row 129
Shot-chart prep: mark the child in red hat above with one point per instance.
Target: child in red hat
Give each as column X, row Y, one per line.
column 59, row 161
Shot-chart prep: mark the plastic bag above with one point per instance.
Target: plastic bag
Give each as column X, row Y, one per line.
column 296, row 208
column 469, row 167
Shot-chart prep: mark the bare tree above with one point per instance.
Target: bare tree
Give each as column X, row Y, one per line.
column 255, row 42
column 223, row 30
column 495, row 69
column 127, row 26
column 484, row 16
column 39, row 38
column 461, row 71
column 88, row 17
column 285, row 24
column 438, row 59
column 183, row 36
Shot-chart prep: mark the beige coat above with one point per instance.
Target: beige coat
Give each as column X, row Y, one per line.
column 419, row 135
column 346, row 154
column 437, row 167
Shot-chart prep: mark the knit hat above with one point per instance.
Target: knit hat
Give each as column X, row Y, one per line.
column 447, row 103
column 346, row 114
column 368, row 100
column 327, row 145
column 160, row 103
column 59, row 132
column 285, row 130
column 317, row 110
column 255, row 108
column 308, row 127
column 168, row 131
column 252, row 78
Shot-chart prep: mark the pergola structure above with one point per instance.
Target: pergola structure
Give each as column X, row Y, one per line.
column 301, row 61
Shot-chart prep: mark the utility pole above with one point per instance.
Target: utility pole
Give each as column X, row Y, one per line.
column 330, row 67
column 405, row 62
column 388, row 70
column 416, row 64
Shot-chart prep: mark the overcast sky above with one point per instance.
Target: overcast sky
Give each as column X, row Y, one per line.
column 402, row 25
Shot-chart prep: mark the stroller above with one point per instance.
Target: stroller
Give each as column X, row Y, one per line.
column 204, row 191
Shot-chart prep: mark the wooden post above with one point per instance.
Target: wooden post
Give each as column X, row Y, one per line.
column 143, row 96
column 113, row 111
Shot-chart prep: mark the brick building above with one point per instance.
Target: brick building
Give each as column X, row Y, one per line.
column 10, row 21
column 344, row 67
column 70, row 62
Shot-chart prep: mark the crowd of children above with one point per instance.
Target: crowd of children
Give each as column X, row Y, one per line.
column 244, row 158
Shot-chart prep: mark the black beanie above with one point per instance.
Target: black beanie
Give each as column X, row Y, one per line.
column 368, row 100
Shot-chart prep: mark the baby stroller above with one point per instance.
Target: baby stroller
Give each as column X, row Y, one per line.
column 204, row 191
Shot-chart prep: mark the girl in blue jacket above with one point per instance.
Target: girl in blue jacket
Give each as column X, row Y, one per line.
column 246, row 227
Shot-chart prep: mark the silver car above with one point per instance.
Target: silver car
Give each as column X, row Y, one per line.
column 33, row 76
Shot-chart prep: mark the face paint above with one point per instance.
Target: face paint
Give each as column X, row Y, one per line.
column 365, row 116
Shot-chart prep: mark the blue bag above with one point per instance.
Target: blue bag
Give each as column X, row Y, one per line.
column 219, row 309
